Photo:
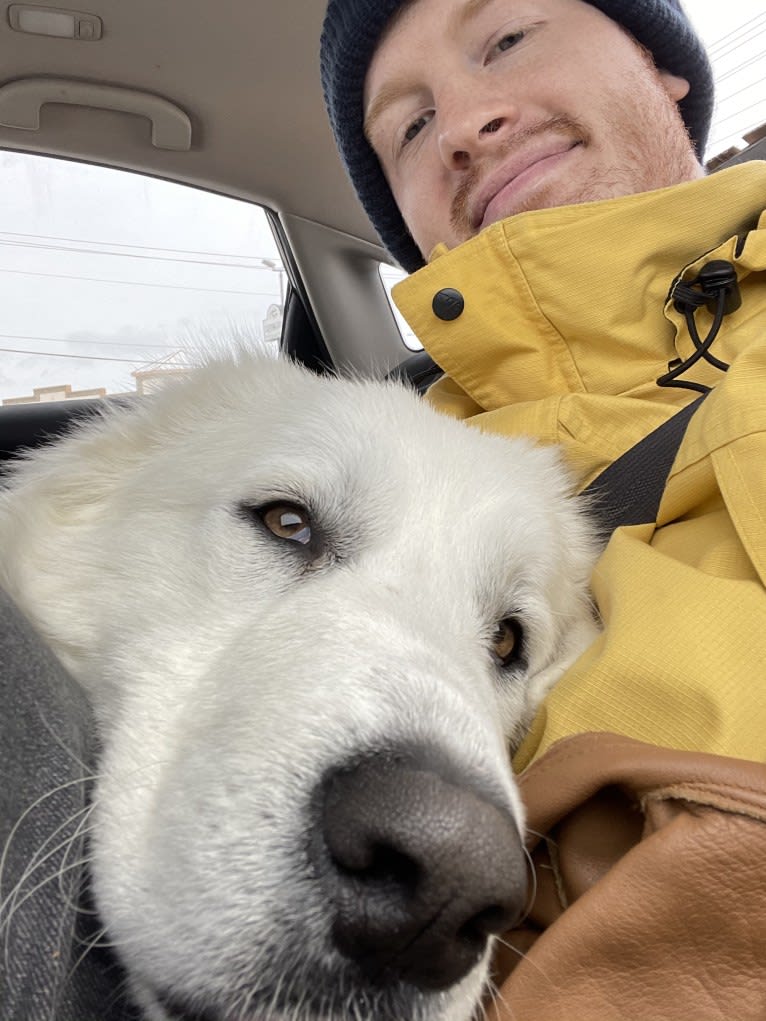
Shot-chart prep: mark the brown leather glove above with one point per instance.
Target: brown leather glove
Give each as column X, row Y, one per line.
column 651, row 888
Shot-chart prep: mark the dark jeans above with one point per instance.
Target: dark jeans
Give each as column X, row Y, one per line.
column 47, row 748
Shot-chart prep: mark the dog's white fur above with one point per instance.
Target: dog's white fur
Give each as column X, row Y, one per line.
column 228, row 671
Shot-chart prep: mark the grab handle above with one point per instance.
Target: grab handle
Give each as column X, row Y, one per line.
column 21, row 100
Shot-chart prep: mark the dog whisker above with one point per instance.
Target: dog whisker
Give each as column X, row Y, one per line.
column 540, row 836
column 38, row 803
column 39, row 859
column 18, row 901
column 525, row 957
column 14, row 899
column 497, row 997
column 89, row 945
column 121, row 991
column 83, row 830
column 97, row 942
column 532, row 896
column 86, row 770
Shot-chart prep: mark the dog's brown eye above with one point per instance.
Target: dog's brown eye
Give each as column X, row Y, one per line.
column 506, row 642
column 288, row 521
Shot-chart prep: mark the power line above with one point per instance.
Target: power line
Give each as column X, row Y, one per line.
column 732, row 39
column 147, row 248
column 738, row 92
column 133, row 255
column 722, row 40
column 740, row 67
column 738, row 113
column 140, row 283
column 99, row 343
column 89, row 358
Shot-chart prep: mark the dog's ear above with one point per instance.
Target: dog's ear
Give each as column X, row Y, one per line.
column 55, row 524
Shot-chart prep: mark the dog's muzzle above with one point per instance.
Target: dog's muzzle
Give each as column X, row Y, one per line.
column 420, row 867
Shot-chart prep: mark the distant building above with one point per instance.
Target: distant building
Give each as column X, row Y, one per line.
column 148, row 380
column 61, row 392
column 157, row 374
column 755, row 150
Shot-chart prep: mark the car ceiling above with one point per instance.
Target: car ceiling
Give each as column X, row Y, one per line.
column 245, row 72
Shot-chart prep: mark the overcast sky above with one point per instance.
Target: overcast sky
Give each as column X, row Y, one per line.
column 735, row 34
column 174, row 263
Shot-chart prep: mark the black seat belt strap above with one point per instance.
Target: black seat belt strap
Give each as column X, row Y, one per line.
column 629, row 491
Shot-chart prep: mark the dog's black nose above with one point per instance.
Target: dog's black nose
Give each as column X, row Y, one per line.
column 422, row 868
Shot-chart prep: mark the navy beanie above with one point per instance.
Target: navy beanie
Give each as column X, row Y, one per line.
column 352, row 29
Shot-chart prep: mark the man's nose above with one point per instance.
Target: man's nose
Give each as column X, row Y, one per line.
column 470, row 131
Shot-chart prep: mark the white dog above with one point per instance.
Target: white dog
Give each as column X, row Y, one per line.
column 310, row 615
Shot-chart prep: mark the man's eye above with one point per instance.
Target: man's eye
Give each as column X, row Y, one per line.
column 507, row 42
column 414, row 129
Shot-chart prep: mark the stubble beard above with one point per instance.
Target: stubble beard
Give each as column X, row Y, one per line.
column 651, row 141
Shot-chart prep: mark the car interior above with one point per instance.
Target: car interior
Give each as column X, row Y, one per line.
column 225, row 98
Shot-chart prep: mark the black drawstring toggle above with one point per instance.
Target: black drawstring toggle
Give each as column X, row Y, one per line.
column 713, row 278
column 715, row 287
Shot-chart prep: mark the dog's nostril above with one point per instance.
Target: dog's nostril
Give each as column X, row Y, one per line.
column 422, row 869
column 384, row 865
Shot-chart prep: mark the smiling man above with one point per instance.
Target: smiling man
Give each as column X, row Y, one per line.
column 535, row 166
column 516, row 107
column 441, row 101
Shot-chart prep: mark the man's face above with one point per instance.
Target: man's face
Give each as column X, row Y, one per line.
column 478, row 109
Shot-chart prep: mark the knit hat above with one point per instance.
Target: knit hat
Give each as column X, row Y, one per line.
column 352, row 29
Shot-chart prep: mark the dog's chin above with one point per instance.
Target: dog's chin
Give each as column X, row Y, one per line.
column 325, row 1001
column 418, row 1009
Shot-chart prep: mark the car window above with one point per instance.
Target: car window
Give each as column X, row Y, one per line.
column 390, row 276
column 114, row 282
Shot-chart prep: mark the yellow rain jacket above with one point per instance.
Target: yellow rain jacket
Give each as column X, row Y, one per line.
column 644, row 771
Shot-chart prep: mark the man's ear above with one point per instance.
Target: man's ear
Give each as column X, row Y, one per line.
column 675, row 87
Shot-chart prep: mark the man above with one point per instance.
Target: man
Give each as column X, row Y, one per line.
column 535, row 165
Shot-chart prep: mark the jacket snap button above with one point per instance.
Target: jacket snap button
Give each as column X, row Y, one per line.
column 448, row 304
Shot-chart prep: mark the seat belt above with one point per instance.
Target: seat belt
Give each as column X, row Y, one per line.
column 629, row 491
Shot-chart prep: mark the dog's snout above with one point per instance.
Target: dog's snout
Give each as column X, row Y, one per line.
column 422, row 869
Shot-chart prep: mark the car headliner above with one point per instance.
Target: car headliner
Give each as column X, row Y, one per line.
column 245, row 71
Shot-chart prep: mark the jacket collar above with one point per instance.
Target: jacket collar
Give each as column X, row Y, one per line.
column 575, row 299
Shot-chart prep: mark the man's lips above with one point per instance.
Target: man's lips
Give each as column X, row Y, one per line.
column 505, row 185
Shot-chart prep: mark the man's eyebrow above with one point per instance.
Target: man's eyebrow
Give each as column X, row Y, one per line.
column 400, row 88
column 391, row 92
column 469, row 11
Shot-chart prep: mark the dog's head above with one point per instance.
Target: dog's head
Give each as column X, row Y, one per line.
column 310, row 615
